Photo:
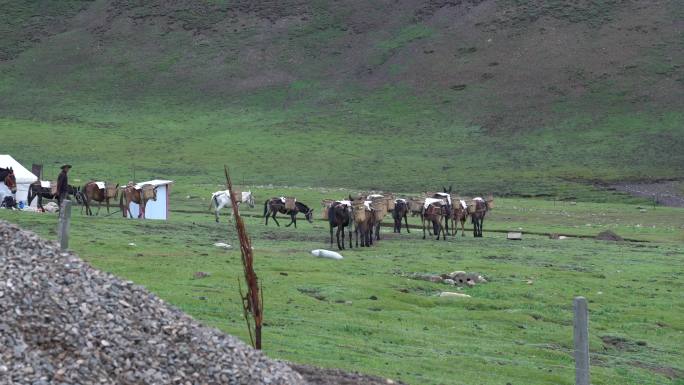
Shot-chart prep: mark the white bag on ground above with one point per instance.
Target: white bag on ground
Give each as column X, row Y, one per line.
column 51, row 207
column 326, row 254
column 452, row 294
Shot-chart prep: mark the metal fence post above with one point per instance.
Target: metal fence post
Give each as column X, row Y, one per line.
column 63, row 227
column 581, row 336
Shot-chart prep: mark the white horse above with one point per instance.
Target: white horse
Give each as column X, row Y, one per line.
column 221, row 199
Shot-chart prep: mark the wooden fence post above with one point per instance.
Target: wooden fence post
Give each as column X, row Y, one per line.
column 581, row 336
column 63, row 227
column 37, row 170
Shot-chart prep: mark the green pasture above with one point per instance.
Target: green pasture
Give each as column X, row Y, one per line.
column 364, row 313
column 389, row 143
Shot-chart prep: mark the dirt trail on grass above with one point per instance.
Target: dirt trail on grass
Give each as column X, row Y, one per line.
column 668, row 193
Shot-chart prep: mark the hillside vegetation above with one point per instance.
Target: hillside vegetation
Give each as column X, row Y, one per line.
column 511, row 96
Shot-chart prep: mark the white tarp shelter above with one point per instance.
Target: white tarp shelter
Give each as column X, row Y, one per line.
column 24, row 176
column 158, row 209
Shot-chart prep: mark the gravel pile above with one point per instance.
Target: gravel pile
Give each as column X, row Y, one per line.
column 61, row 321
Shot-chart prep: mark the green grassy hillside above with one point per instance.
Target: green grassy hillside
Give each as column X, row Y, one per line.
column 516, row 97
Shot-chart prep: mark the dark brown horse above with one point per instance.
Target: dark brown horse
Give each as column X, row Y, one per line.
column 401, row 210
column 478, row 210
column 141, row 197
column 92, row 192
column 434, row 213
column 459, row 213
column 9, row 179
column 276, row 205
column 340, row 216
column 37, row 191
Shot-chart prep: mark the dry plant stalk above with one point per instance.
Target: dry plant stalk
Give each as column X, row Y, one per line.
column 252, row 301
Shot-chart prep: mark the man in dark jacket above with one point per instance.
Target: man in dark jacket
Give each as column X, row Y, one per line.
column 63, row 184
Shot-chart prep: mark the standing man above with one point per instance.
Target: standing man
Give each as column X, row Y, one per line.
column 63, row 185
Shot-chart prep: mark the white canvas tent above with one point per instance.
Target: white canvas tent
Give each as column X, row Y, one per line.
column 24, row 176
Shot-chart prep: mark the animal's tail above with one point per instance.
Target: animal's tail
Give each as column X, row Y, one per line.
column 265, row 207
column 212, row 201
column 30, row 194
column 84, row 202
column 331, row 215
column 121, row 205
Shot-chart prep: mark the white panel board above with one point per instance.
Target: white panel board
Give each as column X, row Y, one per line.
column 157, row 209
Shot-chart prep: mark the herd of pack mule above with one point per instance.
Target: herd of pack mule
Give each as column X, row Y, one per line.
column 100, row 192
column 360, row 216
column 437, row 211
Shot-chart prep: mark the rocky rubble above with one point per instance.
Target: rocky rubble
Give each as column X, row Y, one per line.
column 61, row 321
column 609, row 236
column 455, row 278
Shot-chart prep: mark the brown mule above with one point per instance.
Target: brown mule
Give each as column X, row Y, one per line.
column 340, row 216
column 364, row 220
column 459, row 214
column 140, row 197
column 92, row 192
column 478, row 210
column 37, row 191
column 401, row 210
column 276, row 205
column 434, row 213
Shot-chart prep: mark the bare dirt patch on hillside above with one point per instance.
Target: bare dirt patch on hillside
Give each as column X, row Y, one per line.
column 666, row 193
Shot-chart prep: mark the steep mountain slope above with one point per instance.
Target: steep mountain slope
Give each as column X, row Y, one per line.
column 519, row 96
